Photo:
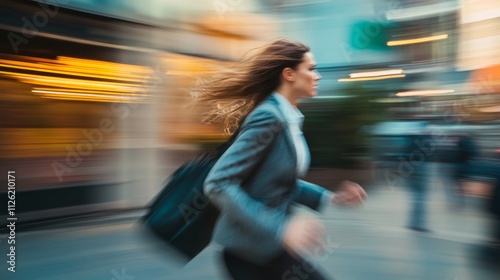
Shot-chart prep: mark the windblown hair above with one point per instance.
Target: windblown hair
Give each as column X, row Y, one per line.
column 232, row 93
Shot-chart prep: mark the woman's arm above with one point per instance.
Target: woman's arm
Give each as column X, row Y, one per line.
column 312, row 195
column 223, row 183
column 315, row 197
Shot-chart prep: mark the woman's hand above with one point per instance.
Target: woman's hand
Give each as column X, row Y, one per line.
column 349, row 194
column 303, row 235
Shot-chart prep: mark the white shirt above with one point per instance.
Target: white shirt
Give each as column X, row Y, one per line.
column 295, row 119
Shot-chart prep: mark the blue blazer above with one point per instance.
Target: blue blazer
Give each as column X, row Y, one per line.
column 254, row 184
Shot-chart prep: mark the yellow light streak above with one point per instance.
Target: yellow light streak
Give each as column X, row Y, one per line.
column 126, row 85
column 73, row 72
column 43, row 89
column 372, row 78
column 99, row 64
column 72, row 83
column 83, row 96
column 376, row 73
column 417, row 40
column 118, row 72
column 424, row 92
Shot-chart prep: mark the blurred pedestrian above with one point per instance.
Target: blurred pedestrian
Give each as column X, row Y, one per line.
column 494, row 208
column 467, row 152
column 256, row 180
column 462, row 155
column 420, row 151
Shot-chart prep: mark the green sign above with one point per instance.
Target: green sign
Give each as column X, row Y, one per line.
column 369, row 35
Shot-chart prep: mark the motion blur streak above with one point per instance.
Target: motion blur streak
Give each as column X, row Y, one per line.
column 95, row 115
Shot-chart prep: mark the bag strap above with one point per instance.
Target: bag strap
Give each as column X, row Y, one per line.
column 224, row 146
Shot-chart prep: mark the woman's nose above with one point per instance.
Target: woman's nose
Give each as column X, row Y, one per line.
column 318, row 75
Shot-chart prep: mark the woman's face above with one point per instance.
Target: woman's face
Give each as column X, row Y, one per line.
column 305, row 84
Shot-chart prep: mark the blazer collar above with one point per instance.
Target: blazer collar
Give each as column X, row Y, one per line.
column 291, row 114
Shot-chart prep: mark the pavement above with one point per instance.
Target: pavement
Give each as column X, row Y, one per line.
column 367, row 243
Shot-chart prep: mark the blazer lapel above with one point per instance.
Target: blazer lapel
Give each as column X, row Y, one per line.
column 288, row 134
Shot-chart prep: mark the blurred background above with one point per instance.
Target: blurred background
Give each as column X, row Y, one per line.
column 95, row 94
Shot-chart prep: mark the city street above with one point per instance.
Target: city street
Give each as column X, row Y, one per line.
column 105, row 103
column 366, row 243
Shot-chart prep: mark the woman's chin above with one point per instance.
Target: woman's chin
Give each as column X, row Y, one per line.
column 309, row 94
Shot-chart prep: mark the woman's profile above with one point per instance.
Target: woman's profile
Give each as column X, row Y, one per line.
column 258, row 178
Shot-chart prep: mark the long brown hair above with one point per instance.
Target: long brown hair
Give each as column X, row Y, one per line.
column 234, row 92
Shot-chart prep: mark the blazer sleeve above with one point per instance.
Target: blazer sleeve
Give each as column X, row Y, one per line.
column 224, row 181
column 310, row 195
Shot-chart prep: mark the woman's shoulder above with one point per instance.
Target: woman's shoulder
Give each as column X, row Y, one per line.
column 266, row 112
column 267, row 108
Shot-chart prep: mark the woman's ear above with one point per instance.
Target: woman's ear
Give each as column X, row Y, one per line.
column 288, row 74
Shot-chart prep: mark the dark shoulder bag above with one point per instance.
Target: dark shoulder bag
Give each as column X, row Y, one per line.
column 181, row 214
